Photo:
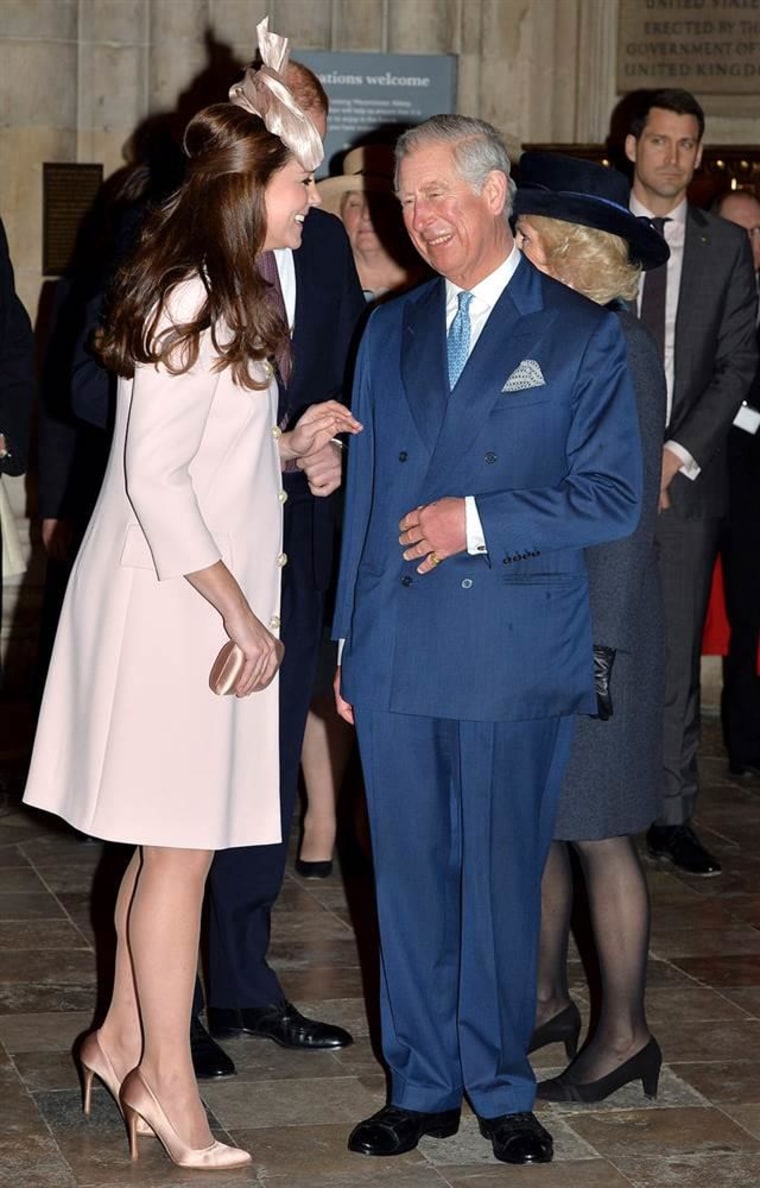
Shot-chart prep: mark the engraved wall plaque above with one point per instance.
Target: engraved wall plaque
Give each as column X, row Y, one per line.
column 710, row 47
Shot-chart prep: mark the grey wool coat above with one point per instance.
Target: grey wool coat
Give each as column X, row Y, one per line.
column 612, row 785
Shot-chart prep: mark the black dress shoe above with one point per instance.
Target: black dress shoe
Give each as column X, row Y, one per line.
column 564, row 1027
column 518, row 1138
column 280, row 1022
column 209, row 1060
column 314, row 870
column 679, row 846
column 393, row 1130
column 644, row 1066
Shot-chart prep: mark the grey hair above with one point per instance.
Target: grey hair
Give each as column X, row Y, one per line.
column 477, row 147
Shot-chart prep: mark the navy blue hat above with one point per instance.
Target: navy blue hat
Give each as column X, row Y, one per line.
column 577, row 191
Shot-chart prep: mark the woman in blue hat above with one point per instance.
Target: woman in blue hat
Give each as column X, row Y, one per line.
column 573, row 223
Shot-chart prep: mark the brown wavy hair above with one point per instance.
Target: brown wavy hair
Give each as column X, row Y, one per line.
column 593, row 262
column 212, row 227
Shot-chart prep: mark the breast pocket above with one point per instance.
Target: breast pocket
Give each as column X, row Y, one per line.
column 511, row 400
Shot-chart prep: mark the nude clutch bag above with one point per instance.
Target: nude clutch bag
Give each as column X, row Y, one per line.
column 226, row 669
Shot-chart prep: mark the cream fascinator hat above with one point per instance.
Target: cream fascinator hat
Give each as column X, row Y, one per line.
column 368, row 168
column 263, row 92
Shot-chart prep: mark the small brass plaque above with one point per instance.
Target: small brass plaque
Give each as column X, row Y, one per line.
column 68, row 193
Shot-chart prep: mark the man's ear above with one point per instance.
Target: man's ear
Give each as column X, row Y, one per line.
column 630, row 147
column 495, row 191
column 698, row 158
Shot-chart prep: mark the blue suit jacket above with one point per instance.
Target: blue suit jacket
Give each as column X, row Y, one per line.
column 554, row 468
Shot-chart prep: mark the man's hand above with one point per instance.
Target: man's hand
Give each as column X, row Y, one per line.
column 434, row 531
column 344, row 708
column 322, row 469
column 671, row 464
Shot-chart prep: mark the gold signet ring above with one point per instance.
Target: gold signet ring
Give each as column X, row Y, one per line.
column 435, row 559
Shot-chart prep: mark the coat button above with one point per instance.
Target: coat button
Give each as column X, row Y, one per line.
column 274, row 623
column 490, row 457
column 403, row 456
column 283, row 496
column 276, row 432
column 282, row 560
column 466, row 583
column 406, row 580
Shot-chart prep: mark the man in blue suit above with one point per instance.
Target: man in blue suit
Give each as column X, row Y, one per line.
column 500, row 439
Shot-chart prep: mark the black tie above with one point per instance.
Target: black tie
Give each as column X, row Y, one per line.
column 653, row 296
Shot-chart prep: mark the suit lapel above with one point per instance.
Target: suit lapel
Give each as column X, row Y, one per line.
column 694, row 273
column 516, row 322
column 424, row 368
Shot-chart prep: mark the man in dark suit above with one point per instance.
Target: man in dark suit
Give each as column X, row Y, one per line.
column 463, row 603
column 740, row 547
column 701, row 309
column 16, row 371
column 324, row 302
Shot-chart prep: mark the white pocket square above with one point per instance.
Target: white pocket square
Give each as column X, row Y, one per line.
column 527, row 374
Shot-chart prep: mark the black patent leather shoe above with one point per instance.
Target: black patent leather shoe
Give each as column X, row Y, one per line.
column 518, row 1138
column 280, row 1022
column 393, row 1130
column 209, row 1060
column 679, row 846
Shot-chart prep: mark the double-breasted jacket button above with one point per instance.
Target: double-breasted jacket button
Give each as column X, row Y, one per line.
column 274, row 623
column 490, row 457
column 267, row 368
column 406, row 580
column 283, row 496
column 466, row 583
column 282, row 560
column 276, row 432
column 403, row 456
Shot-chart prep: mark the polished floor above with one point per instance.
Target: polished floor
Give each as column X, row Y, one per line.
column 294, row 1111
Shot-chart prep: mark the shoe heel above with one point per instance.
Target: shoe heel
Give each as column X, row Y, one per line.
column 87, row 1078
column 571, row 1042
column 650, row 1080
column 131, row 1118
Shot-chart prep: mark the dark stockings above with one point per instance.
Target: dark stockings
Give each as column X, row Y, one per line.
column 619, row 903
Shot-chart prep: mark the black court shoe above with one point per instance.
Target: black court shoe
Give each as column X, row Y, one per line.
column 562, row 1028
column 644, row 1066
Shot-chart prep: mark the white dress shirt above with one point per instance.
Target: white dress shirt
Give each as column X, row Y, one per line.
column 674, row 234
column 484, row 297
column 286, row 270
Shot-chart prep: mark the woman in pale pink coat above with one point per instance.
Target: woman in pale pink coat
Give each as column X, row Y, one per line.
column 183, row 553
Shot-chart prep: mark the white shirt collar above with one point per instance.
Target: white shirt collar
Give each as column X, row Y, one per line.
column 676, row 215
column 489, row 290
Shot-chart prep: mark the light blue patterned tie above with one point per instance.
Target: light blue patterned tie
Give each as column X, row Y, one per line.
column 458, row 339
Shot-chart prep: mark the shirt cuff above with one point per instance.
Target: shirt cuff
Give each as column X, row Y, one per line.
column 689, row 468
column 341, row 646
column 476, row 541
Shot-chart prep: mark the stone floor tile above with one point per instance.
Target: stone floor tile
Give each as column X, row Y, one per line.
column 309, row 1101
column 681, row 1130
column 747, row 1116
column 72, row 966
column 46, row 935
column 33, row 1161
column 721, row 1081
column 469, row 1147
column 705, row 942
column 53, row 1031
column 331, row 952
column 17, row 880
column 18, row 1112
column 29, row 998
column 11, row 856
column 695, row 1171
column 696, row 1005
column 262, row 1060
column 747, row 998
column 321, row 981
column 290, row 1154
column 584, row 1173
column 722, row 970
column 722, row 1040
column 350, row 1013
column 47, row 1070
column 29, row 905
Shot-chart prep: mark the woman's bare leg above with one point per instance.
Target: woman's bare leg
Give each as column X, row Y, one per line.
column 326, row 750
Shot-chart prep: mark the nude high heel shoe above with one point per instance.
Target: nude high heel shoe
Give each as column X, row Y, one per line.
column 96, row 1062
column 138, row 1101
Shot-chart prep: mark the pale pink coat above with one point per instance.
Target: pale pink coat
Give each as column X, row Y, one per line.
column 132, row 745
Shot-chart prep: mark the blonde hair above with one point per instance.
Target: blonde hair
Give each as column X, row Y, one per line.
column 594, row 263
